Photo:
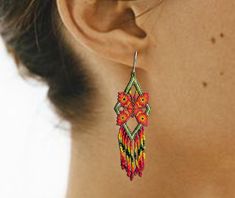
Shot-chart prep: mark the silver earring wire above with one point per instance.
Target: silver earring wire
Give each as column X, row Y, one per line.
column 135, row 61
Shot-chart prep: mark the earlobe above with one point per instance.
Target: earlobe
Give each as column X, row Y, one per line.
column 107, row 28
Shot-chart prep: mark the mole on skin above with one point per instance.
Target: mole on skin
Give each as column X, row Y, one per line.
column 204, row 84
column 221, row 34
column 213, row 40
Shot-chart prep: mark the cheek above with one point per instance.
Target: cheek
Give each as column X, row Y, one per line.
column 192, row 77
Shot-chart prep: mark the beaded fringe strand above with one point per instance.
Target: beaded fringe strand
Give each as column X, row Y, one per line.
column 132, row 152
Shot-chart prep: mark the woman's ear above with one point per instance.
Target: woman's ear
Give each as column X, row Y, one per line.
column 106, row 27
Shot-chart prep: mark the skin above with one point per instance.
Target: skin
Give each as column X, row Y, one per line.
column 187, row 65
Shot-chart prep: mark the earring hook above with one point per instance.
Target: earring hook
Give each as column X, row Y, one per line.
column 135, row 61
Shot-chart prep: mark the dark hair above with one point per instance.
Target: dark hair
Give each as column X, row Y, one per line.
column 31, row 32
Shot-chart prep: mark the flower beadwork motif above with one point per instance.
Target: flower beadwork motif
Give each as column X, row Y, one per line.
column 132, row 107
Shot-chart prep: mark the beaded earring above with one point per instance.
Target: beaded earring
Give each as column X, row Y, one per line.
column 132, row 143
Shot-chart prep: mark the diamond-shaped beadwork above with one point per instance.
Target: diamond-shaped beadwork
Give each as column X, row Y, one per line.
column 133, row 82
